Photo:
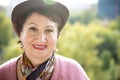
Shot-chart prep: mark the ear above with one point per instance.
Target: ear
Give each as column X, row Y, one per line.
column 21, row 35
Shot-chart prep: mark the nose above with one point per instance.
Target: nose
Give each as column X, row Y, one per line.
column 42, row 38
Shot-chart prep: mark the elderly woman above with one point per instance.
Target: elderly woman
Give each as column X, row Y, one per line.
column 38, row 25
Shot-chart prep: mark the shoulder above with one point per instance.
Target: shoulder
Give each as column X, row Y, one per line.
column 68, row 68
column 8, row 68
column 9, row 63
column 67, row 61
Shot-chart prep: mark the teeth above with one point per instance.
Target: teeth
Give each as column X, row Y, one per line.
column 40, row 46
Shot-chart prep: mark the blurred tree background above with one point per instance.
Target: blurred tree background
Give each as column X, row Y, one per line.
column 85, row 38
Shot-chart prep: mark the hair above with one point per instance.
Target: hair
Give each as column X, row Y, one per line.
column 45, row 12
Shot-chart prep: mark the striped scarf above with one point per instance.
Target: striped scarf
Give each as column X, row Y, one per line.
column 43, row 72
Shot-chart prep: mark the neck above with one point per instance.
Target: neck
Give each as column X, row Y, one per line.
column 38, row 61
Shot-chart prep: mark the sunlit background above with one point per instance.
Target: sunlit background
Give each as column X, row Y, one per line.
column 91, row 36
column 67, row 2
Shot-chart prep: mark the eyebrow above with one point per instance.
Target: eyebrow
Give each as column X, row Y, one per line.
column 32, row 23
column 36, row 24
column 49, row 26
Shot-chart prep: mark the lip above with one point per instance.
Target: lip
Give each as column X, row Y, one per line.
column 39, row 47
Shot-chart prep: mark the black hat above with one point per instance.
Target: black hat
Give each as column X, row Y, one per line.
column 28, row 5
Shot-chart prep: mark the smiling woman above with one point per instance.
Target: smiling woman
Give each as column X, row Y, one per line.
column 38, row 24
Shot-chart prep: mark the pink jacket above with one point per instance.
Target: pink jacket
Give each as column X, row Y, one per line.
column 65, row 69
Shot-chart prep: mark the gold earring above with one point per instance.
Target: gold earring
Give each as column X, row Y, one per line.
column 56, row 50
column 20, row 45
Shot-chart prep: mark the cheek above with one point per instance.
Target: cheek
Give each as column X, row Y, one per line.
column 25, row 38
column 52, row 40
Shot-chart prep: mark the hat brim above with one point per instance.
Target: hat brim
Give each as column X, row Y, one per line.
column 26, row 6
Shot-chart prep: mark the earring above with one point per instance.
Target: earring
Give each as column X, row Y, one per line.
column 20, row 45
column 55, row 51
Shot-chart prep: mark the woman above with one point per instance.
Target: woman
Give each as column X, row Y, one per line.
column 38, row 25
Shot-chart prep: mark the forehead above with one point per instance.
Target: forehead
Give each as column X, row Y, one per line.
column 37, row 16
column 40, row 20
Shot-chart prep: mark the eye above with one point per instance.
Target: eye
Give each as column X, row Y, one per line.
column 49, row 30
column 33, row 29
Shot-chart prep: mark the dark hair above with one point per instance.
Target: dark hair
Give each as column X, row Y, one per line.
column 45, row 12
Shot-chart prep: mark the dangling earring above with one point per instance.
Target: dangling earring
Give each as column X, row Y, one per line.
column 20, row 45
column 55, row 51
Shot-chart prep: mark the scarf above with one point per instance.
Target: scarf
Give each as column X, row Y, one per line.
column 43, row 72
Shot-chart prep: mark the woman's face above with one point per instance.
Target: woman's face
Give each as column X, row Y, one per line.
column 39, row 36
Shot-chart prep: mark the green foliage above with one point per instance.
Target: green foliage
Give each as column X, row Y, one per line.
column 79, row 42
column 94, row 46
column 84, row 17
column 10, row 51
column 114, row 25
column 106, row 57
column 5, row 30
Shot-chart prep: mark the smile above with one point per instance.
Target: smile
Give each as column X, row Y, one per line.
column 39, row 47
